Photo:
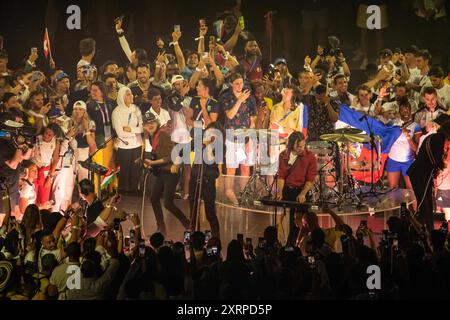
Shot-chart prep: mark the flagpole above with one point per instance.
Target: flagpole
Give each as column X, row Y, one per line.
column 49, row 47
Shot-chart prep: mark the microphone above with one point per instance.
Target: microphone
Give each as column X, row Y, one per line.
column 120, row 139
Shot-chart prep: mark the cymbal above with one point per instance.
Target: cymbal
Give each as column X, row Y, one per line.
column 345, row 137
column 347, row 131
column 257, row 132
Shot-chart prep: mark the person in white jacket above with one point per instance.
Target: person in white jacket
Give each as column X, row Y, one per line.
column 127, row 122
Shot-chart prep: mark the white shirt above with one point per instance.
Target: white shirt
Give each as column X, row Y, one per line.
column 400, row 150
column 43, row 152
column 28, row 192
column 393, row 105
column 128, row 117
column 163, row 115
column 444, row 96
column 413, row 73
column 423, row 81
column 180, row 133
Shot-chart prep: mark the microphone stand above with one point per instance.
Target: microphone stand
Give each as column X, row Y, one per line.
column 372, row 147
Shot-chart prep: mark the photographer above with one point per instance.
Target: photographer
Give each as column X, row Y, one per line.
column 12, row 153
column 164, row 178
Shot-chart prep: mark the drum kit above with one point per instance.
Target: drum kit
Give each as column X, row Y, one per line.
column 340, row 166
column 339, row 161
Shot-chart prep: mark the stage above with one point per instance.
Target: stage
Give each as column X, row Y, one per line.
column 252, row 220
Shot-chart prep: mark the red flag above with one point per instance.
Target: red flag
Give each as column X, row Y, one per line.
column 47, row 50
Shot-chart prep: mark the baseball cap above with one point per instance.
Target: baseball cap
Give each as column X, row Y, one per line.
column 149, row 117
column 82, row 63
column 279, row 61
column 80, row 104
column 61, row 76
column 385, row 53
column 411, row 49
column 176, row 78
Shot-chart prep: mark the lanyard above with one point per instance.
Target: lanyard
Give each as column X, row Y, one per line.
column 105, row 120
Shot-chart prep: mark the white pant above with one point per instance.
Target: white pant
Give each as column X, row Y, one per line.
column 81, row 154
column 62, row 189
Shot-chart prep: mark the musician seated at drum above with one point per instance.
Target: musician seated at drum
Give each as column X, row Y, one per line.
column 164, row 175
column 297, row 172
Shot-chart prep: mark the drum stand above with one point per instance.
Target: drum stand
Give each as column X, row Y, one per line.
column 347, row 195
column 252, row 192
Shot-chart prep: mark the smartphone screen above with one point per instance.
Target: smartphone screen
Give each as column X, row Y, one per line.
column 126, row 242
column 132, row 238
column 248, row 241
column 187, row 237
column 208, row 235
column 177, row 28
column 242, row 22
column 142, row 248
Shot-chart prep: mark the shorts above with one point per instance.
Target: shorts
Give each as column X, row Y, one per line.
column 395, row 166
column 236, row 155
column 443, row 198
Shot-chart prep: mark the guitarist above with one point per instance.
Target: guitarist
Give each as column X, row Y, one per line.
column 296, row 174
column 164, row 175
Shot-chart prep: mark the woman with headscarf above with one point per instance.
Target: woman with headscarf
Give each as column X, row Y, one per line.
column 85, row 136
column 127, row 122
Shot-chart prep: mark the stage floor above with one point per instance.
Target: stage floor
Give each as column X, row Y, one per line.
column 251, row 221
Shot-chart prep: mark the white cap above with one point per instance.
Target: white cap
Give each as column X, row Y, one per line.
column 82, row 63
column 80, row 104
column 176, row 78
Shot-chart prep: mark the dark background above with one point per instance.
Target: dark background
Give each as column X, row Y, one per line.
column 22, row 23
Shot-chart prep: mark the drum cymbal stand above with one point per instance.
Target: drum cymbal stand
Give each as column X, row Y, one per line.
column 256, row 187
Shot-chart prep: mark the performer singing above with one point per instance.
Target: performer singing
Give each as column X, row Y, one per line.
column 428, row 164
column 296, row 173
column 203, row 182
column 164, row 179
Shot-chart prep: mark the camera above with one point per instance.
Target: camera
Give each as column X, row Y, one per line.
column 17, row 133
column 271, row 71
column 116, row 224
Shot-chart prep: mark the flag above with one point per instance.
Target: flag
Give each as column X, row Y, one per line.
column 47, row 49
column 109, row 177
column 303, row 118
column 387, row 134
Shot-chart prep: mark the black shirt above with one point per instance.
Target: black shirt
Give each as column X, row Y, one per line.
column 101, row 117
column 93, row 211
column 138, row 92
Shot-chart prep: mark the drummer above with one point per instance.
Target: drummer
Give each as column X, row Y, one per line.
column 321, row 115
